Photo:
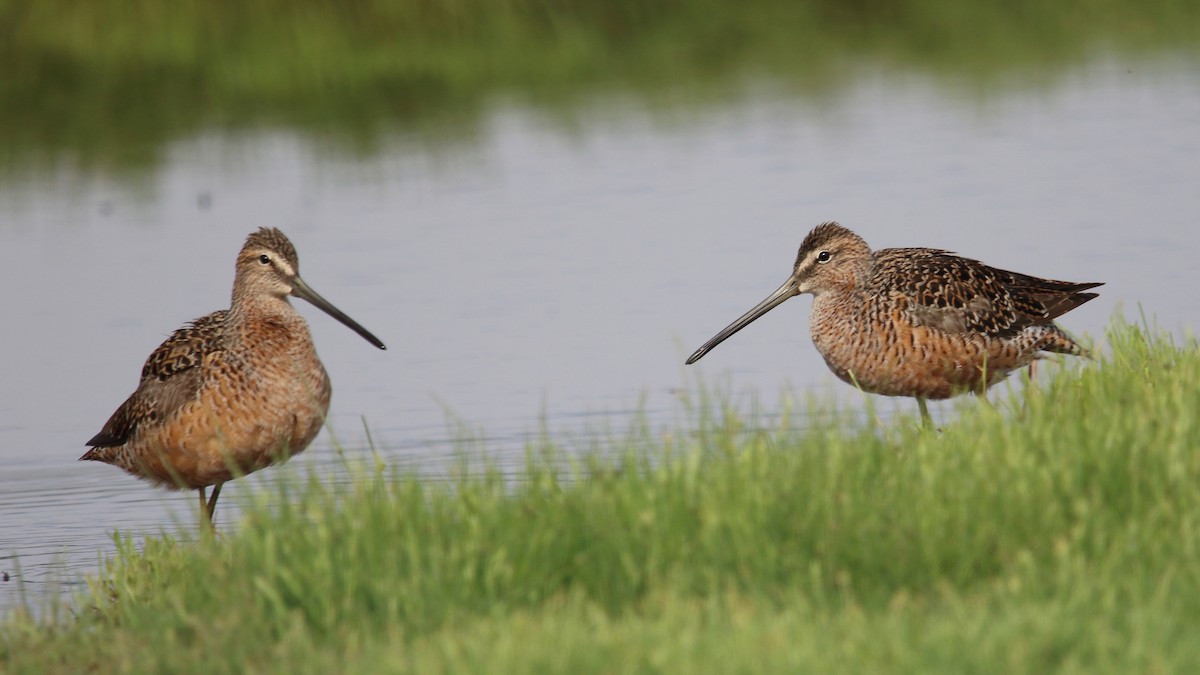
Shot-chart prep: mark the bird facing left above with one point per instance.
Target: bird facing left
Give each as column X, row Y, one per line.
column 233, row 391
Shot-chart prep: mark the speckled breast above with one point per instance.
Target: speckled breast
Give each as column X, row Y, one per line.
column 880, row 351
column 243, row 419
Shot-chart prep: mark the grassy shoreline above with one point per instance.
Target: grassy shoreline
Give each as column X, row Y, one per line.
column 1062, row 542
column 110, row 83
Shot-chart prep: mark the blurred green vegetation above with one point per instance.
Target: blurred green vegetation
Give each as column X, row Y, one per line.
column 111, row 81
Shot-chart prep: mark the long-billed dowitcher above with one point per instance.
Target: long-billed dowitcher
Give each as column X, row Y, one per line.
column 919, row 322
column 231, row 392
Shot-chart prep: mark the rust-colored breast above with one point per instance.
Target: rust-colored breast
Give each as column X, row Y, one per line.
column 236, row 403
column 930, row 324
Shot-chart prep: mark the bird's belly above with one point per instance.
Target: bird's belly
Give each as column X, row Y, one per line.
column 219, row 437
column 906, row 360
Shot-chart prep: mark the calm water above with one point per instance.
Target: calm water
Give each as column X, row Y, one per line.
column 556, row 274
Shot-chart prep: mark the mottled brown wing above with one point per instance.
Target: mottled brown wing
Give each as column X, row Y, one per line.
column 186, row 347
column 170, row 378
column 960, row 295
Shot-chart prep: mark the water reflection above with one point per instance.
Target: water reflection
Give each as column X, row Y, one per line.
column 555, row 277
column 80, row 92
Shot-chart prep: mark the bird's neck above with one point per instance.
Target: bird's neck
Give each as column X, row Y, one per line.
column 267, row 319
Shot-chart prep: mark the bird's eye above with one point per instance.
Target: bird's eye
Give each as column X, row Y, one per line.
column 823, row 257
column 264, row 259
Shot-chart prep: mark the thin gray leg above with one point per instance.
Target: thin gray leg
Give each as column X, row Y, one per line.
column 212, row 502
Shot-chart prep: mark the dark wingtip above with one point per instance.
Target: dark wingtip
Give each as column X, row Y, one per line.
column 1056, row 307
column 1077, row 299
column 103, row 440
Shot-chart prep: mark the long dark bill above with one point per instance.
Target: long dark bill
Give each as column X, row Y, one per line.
column 305, row 292
column 787, row 290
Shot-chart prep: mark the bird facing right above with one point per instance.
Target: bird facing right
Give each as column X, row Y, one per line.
column 919, row 322
column 233, row 391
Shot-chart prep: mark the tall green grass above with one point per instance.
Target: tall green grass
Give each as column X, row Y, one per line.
column 112, row 82
column 1057, row 532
